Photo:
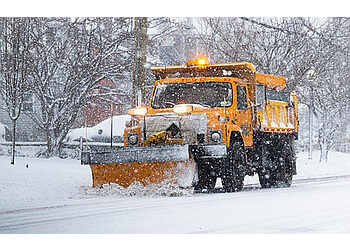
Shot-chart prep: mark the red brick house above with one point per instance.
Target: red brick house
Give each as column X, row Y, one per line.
column 105, row 99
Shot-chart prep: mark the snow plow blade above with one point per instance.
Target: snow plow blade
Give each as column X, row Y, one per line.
column 146, row 165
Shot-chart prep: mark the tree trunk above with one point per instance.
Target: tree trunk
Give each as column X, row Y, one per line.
column 325, row 141
column 53, row 146
column 324, row 154
column 13, row 149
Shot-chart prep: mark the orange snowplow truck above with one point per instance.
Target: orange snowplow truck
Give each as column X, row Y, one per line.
column 206, row 121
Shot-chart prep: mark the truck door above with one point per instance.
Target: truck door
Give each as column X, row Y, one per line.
column 244, row 114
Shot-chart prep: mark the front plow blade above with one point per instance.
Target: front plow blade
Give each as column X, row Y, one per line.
column 147, row 165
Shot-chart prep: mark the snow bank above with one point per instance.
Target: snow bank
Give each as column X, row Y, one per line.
column 338, row 164
column 40, row 180
column 137, row 189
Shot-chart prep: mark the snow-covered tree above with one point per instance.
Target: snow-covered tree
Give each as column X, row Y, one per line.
column 332, row 92
column 289, row 47
column 274, row 45
column 70, row 58
column 15, row 66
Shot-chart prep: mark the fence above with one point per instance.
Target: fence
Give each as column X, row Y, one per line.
column 32, row 149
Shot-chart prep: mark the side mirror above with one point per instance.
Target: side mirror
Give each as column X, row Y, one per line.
column 224, row 104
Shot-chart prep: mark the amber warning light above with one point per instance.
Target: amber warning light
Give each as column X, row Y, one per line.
column 197, row 62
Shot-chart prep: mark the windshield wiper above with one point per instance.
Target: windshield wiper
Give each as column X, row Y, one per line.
column 166, row 106
column 203, row 104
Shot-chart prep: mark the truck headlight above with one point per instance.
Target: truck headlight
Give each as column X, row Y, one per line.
column 215, row 136
column 183, row 109
column 132, row 139
column 139, row 111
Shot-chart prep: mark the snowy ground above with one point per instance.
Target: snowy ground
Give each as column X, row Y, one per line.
column 54, row 196
column 47, row 180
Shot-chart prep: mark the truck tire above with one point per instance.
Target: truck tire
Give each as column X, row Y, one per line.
column 283, row 175
column 278, row 168
column 233, row 178
column 283, row 179
column 205, row 180
column 265, row 178
column 265, row 171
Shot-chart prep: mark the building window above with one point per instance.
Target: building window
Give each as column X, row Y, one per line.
column 28, row 102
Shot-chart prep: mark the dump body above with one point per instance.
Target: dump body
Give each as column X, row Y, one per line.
column 206, row 121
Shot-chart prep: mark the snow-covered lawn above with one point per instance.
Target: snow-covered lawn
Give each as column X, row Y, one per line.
column 33, row 179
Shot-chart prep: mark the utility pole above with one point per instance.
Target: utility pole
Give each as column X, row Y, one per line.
column 140, row 54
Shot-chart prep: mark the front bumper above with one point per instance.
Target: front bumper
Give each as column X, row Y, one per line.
column 208, row 152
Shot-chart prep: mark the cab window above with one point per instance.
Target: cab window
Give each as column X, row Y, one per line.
column 241, row 98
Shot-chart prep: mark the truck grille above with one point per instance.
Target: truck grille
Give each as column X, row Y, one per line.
column 186, row 127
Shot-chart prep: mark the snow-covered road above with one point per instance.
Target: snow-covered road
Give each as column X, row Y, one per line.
column 314, row 206
column 317, row 202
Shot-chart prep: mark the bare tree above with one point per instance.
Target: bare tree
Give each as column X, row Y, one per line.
column 14, row 68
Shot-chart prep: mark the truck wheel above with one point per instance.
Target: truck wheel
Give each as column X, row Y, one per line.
column 283, row 174
column 265, row 178
column 278, row 170
column 239, row 166
column 283, row 179
column 233, row 179
column 265, row 171
column 276, row 174
column 228, row 179
column 205, row 179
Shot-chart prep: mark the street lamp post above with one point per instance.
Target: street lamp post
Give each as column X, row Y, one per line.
column 312, row 77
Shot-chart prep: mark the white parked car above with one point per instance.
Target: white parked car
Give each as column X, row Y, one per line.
column 101, row 132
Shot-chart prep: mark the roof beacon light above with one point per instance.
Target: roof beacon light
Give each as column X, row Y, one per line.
column 197, row 62
column 183, row 109
column 138, row 111
column 201, row 61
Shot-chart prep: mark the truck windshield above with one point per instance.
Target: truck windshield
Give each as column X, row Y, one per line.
column 207, row 94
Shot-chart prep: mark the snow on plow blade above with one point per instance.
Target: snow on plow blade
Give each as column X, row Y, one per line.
column 147, row 165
